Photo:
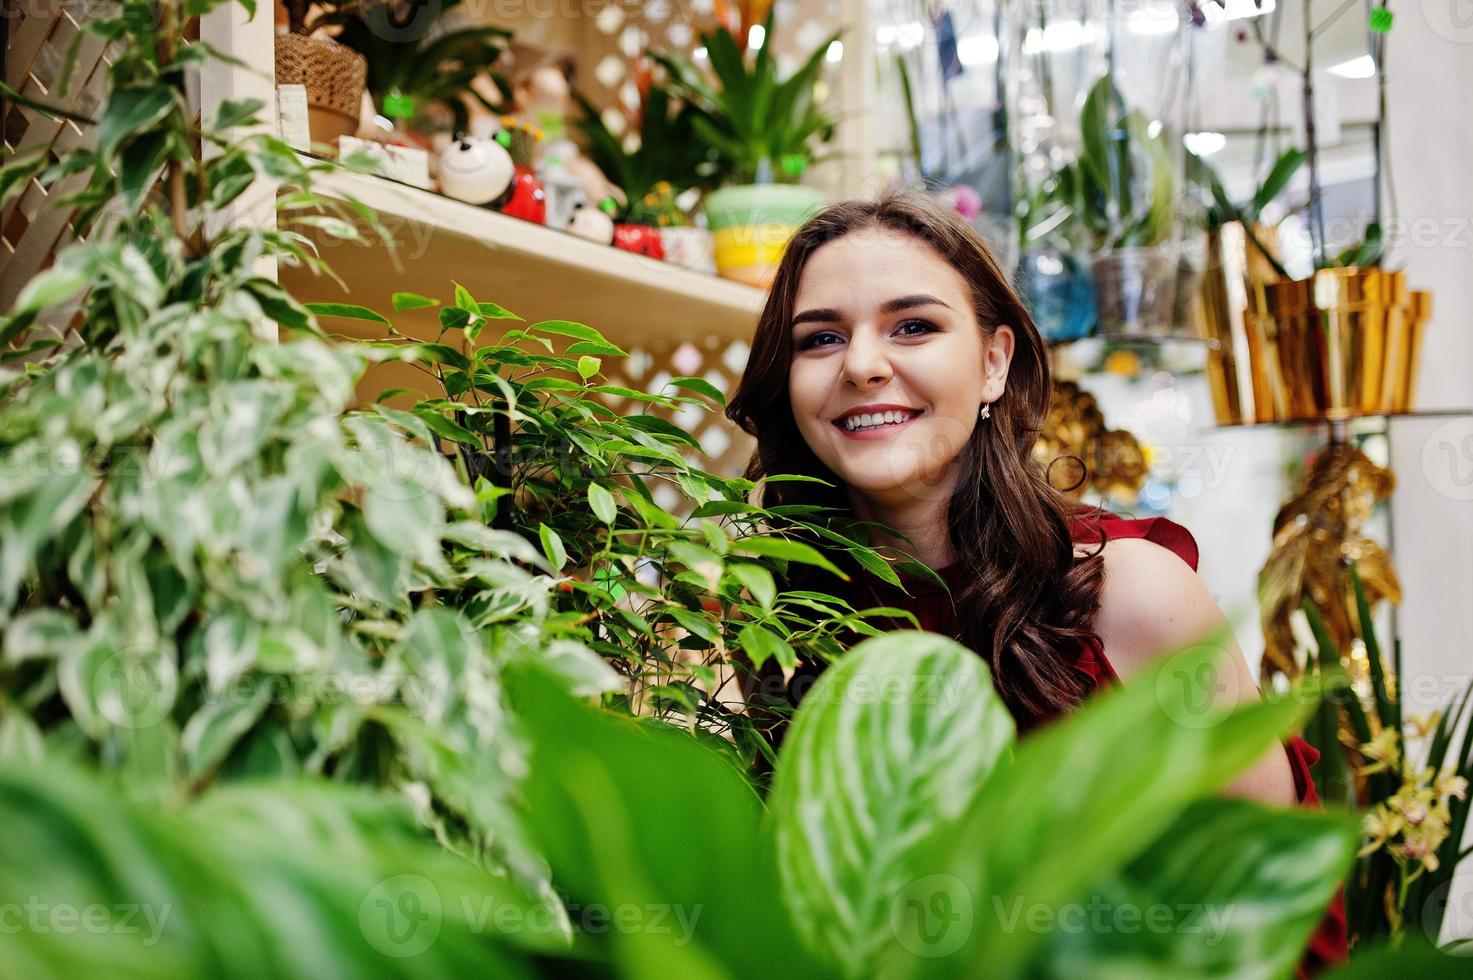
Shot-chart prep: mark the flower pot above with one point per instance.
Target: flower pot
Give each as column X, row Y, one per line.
column 1231, row 314
column 751, row 225
column 1059, row 292
column 1345, row 342
column 1135, row 291
column 333, row 75
column 689, row 247
column 639, row 239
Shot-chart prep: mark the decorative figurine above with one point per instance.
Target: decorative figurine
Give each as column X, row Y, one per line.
column 591, row 223
column 474, row 170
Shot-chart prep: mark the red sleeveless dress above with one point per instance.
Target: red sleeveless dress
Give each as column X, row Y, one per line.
column 932, row 607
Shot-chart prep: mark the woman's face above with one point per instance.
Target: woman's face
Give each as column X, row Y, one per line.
column 881, row 319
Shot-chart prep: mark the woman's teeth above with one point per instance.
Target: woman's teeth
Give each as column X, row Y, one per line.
column 855, row 423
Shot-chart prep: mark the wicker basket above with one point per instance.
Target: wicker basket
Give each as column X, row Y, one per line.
column 334, row 76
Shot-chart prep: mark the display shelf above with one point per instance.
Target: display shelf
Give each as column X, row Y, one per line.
column 1342, row 420
column 535, row 271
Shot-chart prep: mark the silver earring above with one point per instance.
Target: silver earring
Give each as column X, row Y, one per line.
column 986, row 411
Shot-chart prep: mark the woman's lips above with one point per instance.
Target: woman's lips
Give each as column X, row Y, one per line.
column 879, row 432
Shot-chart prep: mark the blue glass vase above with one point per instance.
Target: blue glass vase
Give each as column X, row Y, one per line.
column 1059, row 293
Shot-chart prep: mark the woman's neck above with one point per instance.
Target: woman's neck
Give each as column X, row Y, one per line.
column 921, row 519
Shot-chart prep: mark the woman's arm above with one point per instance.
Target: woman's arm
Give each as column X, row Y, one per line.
column 1153, row 603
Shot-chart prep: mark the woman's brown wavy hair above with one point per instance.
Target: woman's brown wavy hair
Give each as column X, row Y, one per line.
column 1026, row 604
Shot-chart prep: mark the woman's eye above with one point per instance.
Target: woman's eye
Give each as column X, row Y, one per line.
column 924, row 325
column 813, row 339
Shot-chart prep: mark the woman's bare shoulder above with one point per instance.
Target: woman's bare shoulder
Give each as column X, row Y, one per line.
column 1151, row 603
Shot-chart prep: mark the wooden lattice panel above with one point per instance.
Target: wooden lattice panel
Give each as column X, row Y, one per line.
column 31, row 228
column 717, row 360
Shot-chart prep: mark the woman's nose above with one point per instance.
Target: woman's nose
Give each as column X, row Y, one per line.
column 866, row 361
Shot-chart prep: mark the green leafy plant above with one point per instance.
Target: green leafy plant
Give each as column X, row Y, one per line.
column 1413, row 774
column 213, row 569
column 666, row 600
column 1220, row 209
column 1119, row 193
column 430, row 70
column 669, row 153
column 907, row 835
column 762, row 128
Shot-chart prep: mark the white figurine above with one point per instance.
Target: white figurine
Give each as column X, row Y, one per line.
column 591, row 223
column 477, row 171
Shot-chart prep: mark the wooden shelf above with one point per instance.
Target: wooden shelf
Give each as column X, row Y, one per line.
column 537, row 272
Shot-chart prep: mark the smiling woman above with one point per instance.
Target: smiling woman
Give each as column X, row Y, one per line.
column 894, row 361
column 897, row 306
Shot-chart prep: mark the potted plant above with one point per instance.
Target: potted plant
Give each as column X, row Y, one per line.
column 1242, row 260
column 1409, row 774
column 668, row 160
column 420, row 77
column 332, row 73
column 1345, row 340
column 765, row 132
column 1122, row 188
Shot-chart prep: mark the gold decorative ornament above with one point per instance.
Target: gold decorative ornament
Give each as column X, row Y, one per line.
column 1078, row 453
column 1317, row 534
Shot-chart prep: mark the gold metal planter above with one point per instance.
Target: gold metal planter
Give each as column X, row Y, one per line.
column 1346, row 342
column 1340, row 344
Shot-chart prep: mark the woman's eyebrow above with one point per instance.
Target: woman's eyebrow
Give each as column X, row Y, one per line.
column 889, row 306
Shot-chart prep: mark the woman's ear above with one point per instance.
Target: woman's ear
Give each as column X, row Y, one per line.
column 995, row 361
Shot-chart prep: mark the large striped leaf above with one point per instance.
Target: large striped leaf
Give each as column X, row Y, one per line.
column 1090, row 792
column 1233, row 888
column 886, row 753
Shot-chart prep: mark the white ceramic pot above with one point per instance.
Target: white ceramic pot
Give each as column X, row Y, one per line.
column 690, row 248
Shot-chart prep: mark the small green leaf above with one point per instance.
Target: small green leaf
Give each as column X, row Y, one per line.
column 215, row 729
column 757, row 580
column 567, row 328
column 454, row 318
column 588, row 366
column 761, row 644
column 493, row 312
column 464, row 300
column 602, row 502
column 552, row 547
column 130, row 112
column 238, row 112
column 412, row 301
column 347, row 311
column 596, row 348
column 781, row 548
column 701, row 387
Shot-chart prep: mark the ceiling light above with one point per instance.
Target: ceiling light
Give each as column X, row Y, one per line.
column 1061, row 36
column 1362, row 67
column 1204, row 144
column 980, row 49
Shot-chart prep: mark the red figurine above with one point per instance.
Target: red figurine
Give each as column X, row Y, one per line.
column 639, row 239
column 528, row 200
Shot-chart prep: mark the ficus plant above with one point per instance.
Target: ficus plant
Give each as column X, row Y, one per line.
column 214, row 567
column 667, row 599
